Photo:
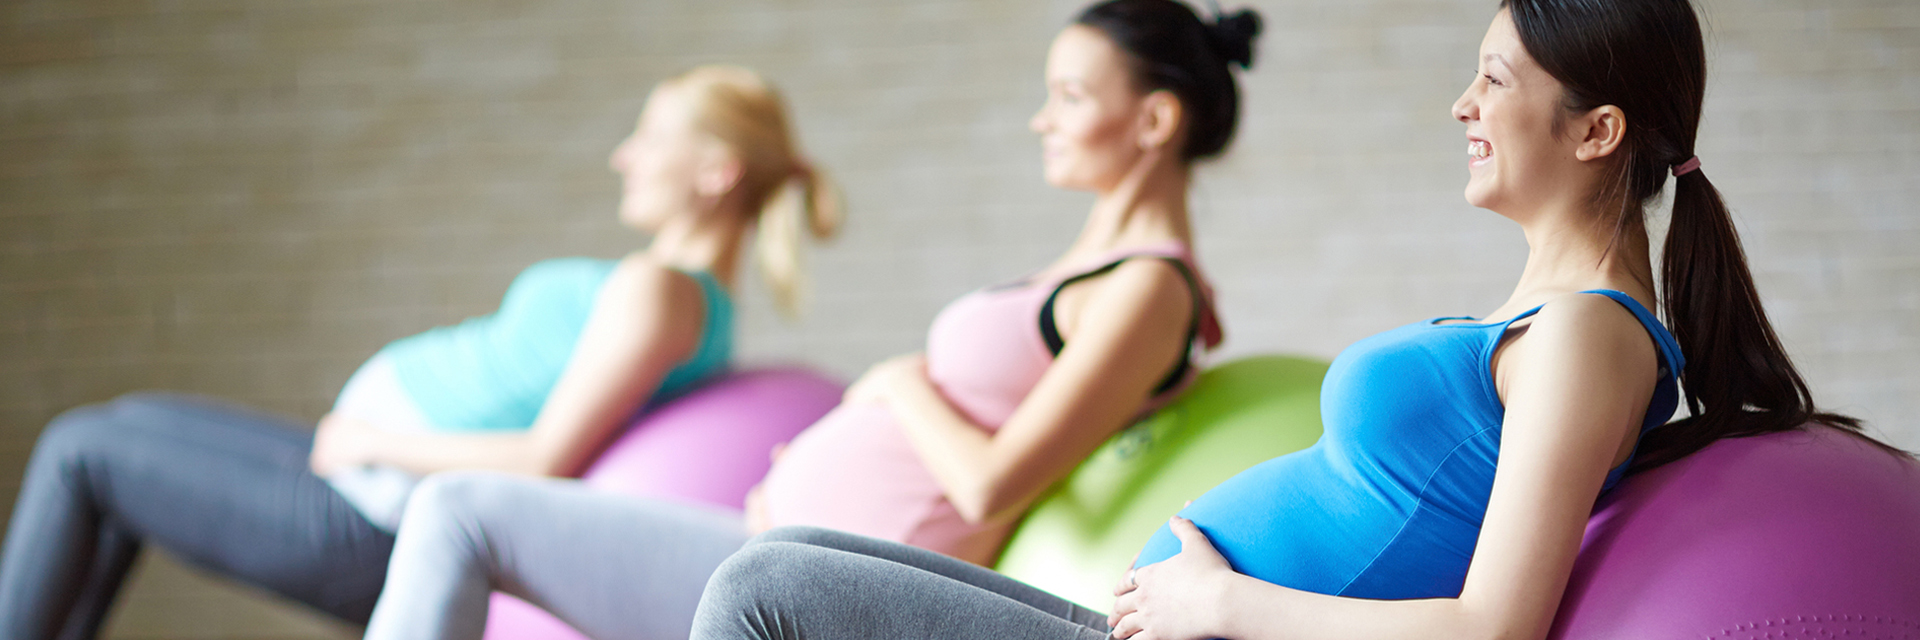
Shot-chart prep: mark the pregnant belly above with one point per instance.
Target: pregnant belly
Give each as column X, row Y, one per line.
column 853, row 471
column 375, row 395
column 1291, row 521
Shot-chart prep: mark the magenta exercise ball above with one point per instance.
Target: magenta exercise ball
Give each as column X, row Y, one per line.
column 1803, row 534
column 709, row 445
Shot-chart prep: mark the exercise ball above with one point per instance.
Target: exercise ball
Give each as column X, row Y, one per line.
column 1811, row 533
column 710, row 445
column 1078, row 539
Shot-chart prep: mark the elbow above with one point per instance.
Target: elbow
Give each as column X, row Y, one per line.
column 1513, row 634
column 1503, row 628
column 547, row 469
column 983, row 504
column 971, row 505
column 979, row 502
column 546, row 461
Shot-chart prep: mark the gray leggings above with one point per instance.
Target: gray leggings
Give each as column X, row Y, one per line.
column 225, row 488
column 818, row 584
column 613, row 566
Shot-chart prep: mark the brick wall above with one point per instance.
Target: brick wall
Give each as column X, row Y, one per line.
column 245, row 198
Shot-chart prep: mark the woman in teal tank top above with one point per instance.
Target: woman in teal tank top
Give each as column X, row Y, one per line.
column 577, row 347
column 1461, row 458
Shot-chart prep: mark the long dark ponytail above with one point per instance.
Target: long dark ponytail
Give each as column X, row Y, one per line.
column 1647, row 57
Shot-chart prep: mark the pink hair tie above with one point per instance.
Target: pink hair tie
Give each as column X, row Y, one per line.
column 1687, row 167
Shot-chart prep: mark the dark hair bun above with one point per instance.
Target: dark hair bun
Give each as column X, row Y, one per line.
column 1232, row 36
column 1171, row 47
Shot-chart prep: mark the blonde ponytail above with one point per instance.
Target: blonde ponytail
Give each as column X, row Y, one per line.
column 791, row 198
column 808, row 204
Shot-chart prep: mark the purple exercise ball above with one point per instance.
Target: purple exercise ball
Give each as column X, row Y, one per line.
column 710, row 445
column 1804, row 534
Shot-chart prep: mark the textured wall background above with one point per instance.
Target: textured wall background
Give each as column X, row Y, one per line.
column 245, row 198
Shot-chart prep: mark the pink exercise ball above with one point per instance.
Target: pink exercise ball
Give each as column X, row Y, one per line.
column 709, row 445
column 1803, row 534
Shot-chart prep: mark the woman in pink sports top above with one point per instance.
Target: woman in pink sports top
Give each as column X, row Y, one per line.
column 927, row 450
column 942, row 449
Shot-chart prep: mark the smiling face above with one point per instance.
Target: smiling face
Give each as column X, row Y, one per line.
column 662, row 165
column 1522, row 151
column 1091, row 125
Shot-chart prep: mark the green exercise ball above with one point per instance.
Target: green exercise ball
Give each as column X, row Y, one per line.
column 1080, row 537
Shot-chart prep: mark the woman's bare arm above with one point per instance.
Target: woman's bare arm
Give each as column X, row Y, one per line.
column 1130, row 331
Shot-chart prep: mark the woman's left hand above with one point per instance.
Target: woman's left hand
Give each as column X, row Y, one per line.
column 340, row 442
column 1178, row 598
column 882, row 379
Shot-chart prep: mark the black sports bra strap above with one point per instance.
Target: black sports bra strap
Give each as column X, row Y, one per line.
column 1051, row 333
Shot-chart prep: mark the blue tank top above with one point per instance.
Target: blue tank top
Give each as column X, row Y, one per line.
column 494, row 372
column 1388, row 503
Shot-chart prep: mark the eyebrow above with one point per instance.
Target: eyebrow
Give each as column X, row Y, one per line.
column 1495, row 57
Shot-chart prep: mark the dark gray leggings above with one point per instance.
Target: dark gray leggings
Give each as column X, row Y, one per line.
column 224, row 488
column 818, row 584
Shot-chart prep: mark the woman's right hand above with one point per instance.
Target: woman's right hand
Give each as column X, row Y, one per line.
column 1175, row 599
column 340, row 442
column 1126, row 579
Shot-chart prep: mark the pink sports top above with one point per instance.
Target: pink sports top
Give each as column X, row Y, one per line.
column 855, row 470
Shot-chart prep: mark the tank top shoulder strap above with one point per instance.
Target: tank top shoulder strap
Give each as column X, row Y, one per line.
column 711, row 290
column 1666, row 390
column 1203, row 326
column 716, row 333
column 1672, row 362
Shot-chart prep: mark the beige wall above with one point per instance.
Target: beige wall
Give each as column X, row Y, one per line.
column 246, row 197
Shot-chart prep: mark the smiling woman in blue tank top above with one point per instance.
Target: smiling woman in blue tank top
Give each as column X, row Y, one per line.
column 577, row 347
column 1462, row 456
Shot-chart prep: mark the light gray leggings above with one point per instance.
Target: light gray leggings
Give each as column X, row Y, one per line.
column 613, row 566
column 817, row 584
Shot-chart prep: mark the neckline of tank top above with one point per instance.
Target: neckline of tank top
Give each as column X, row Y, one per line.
column 1637, row 309
column 702, row 275
column 1169, row 249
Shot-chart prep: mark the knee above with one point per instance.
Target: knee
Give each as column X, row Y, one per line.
column 753, row 560
column 747, row 590
column 450, row 500
column 459, row 507
column 74, row 435
column 90, row 429
column 812, row 536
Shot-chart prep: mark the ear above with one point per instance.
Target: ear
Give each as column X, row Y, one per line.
column 1601, row 132
column 718, row 175
column 1161, row 115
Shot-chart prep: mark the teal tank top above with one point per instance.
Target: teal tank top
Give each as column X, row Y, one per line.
column 1388, row 503
column 494, row 372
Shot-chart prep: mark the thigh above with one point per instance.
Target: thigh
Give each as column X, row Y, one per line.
column 777, row 589
column 937, row 564
column 228, row 489
column 613, row 566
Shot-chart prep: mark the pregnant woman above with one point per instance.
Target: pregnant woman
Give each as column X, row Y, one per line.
column 576, row 348
column 1462, row 457
column 1018, row 384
